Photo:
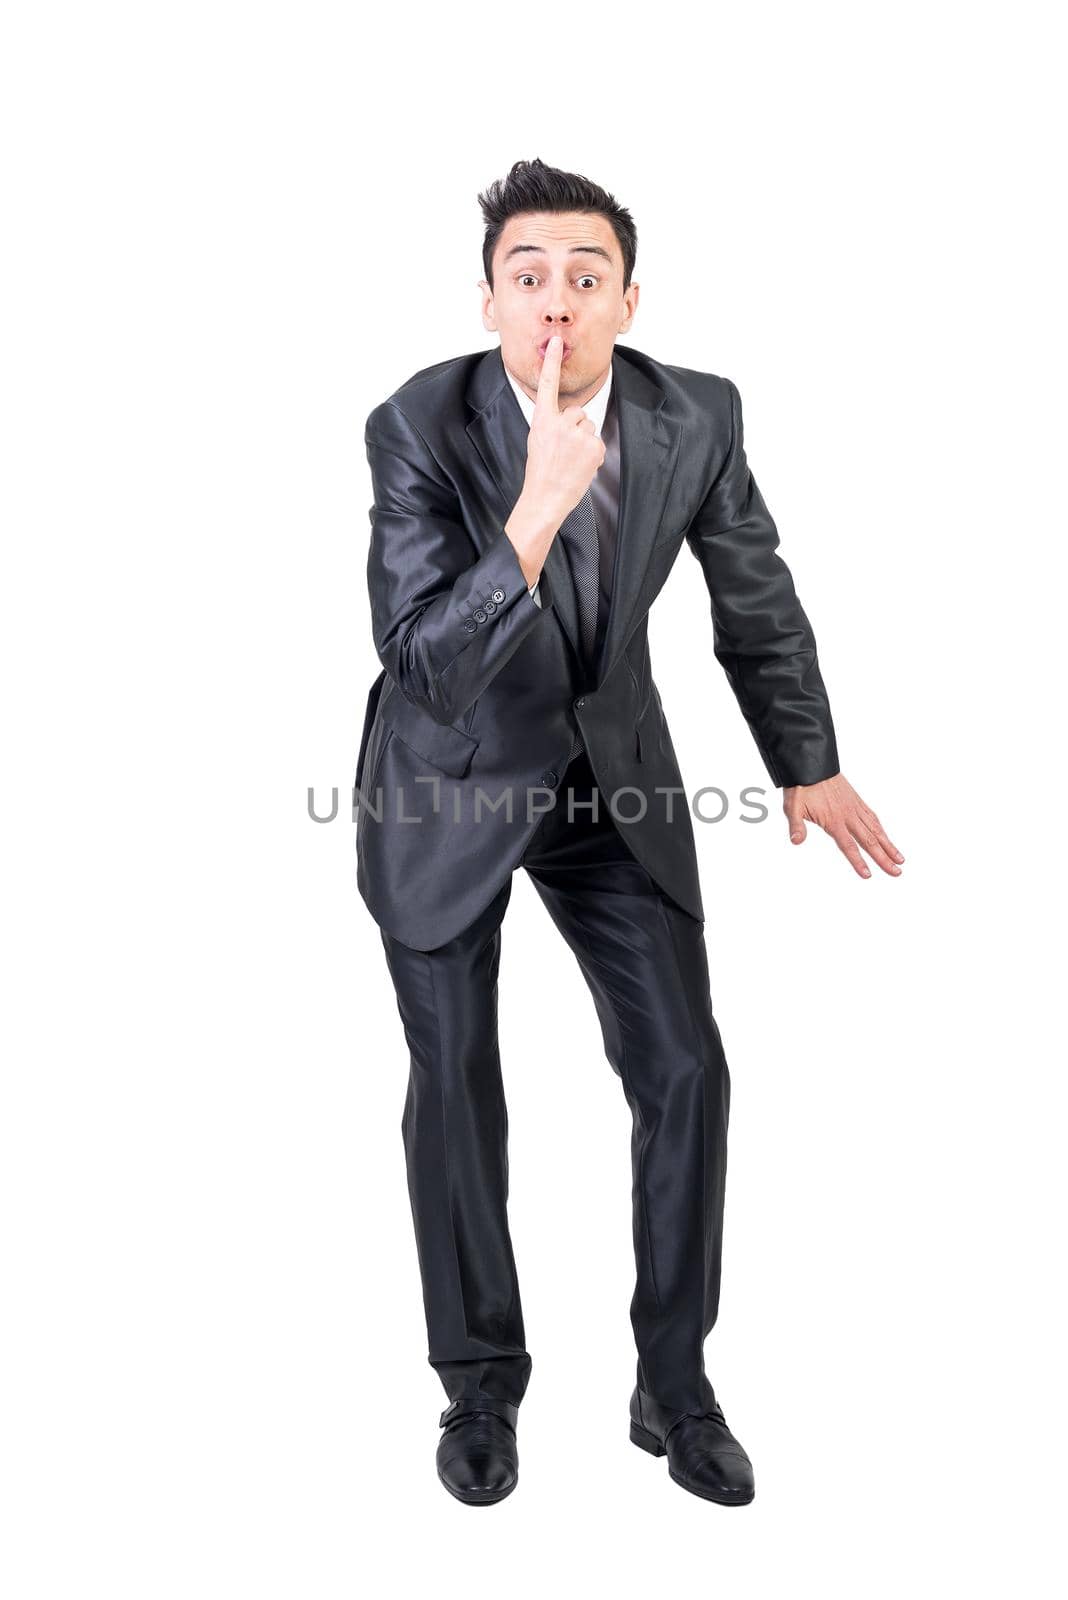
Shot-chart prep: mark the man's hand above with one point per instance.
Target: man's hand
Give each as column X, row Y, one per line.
column 563, row 450
column 838, row 809
column 563, row 455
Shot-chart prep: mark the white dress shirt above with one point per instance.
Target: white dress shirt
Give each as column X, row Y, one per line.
column 595, row 409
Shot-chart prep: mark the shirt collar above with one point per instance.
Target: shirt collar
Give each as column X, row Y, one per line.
column 595, row 409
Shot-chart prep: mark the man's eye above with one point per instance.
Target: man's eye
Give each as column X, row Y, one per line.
column 530, row 277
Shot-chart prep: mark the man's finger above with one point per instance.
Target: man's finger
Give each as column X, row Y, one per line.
column 579, row 417
column 880, row 833
column 549, row 382
column 887, row 844
column 847, row 844
column 794, row 810
column 868, row 838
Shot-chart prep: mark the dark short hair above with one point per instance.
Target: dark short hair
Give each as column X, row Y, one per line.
column 532, row 186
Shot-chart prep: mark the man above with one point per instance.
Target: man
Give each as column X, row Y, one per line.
column 529, row 503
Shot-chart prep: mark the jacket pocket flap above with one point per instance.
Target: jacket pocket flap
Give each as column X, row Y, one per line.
column 443, row 746
column 368, row 722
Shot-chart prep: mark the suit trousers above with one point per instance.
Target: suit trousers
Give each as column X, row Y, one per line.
column 643, row 958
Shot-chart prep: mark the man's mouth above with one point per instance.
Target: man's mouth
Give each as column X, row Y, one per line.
column 544, row 345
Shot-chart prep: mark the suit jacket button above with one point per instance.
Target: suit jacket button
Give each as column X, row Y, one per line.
column 549, row 779
column 469, row 626
column 580, row 703
column 479, row 615
column 488, row 605
column 498, row 595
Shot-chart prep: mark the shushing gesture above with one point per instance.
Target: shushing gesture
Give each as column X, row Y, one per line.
column 563, row 450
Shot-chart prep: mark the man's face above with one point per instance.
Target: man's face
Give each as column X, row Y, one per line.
column 558, row 272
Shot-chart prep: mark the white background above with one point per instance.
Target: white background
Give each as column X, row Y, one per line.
column 233, row 230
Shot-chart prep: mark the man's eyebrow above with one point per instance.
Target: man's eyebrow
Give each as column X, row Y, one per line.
column 576, row 250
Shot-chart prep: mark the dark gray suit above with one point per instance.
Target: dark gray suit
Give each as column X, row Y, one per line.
column 466, row 739
column 481, row 693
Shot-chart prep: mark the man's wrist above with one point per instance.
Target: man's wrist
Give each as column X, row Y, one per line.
column 531, row 530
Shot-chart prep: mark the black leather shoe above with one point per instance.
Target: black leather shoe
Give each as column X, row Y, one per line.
column 477, row 1456
column 703, row 1454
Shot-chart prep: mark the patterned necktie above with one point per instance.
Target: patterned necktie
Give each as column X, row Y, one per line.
column 578, row 533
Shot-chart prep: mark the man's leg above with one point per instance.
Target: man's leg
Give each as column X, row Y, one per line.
column 644, row 960
column 455, row 1128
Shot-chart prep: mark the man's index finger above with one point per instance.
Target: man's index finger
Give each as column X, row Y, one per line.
column 549, row 382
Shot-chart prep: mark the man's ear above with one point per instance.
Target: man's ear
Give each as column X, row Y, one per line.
column 489, row 320
column 630, row 306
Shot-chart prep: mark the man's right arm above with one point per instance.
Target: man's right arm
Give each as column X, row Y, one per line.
column 443, row 625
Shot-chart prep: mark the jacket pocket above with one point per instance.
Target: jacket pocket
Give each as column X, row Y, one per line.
column 642, row 705
column 368, row 722
column 440, row 744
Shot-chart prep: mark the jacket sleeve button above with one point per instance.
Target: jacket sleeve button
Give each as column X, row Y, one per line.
column 479, row 615
column 469, row 626
column 498, row 595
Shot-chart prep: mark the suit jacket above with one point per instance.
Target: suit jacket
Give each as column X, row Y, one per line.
column 475, row 706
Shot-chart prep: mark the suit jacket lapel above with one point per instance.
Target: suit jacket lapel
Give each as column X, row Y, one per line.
column 648, row 451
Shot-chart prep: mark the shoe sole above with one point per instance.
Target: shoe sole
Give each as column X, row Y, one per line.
column 479, row 1497
column 725, row 1497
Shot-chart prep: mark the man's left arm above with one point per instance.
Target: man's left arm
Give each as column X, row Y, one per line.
column 763, row 640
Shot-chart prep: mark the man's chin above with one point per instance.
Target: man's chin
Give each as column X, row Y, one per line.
column 568, row 390
column 565, row 392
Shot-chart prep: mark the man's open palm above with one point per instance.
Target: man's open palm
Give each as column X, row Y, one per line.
column 838, row 809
